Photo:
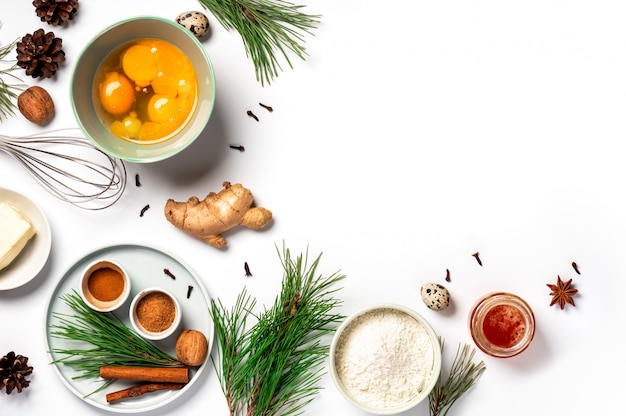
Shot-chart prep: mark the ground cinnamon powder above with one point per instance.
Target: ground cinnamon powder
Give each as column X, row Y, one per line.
column 106, row 284
column 156, row 311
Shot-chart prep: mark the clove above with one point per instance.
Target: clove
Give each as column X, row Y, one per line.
column 575, row 266
column 170, row 274
column 480, row 263
column 247, row 269
column 238, row 147
column 251, row 114
column 189, row 289
column 267, row 107
column 447, row 275
column 137, row 182
column 143, row 210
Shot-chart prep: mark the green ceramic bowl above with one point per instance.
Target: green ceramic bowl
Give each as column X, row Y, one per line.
column 83, row 96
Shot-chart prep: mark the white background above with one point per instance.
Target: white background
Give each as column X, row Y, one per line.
column 415, row 134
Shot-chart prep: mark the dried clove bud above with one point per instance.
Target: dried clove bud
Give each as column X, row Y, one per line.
column 251, row 114
column 247, row 269
column 267, row 107
column 170, row 274
column 480, row 263
column 237, row 147
column 144, row 209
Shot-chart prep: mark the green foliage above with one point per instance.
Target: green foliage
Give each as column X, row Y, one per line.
column 269, row 29
column 101, row 340
column 8, row 91
column 273, row 366
column 463, row 375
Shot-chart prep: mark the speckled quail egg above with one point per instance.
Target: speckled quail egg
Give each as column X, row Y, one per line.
column 435, row 296
column 196, row 22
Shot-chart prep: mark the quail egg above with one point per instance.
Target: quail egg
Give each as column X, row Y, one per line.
column 435, row 296
column 196, row 22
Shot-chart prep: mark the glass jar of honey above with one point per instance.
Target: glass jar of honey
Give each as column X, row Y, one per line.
column 502, row 324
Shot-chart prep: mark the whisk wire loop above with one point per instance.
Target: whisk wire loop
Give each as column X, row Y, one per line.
column 69, row 167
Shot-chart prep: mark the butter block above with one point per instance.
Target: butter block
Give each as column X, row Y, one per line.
column 15, row 232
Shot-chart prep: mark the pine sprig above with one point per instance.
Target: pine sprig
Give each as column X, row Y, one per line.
column 269, row 29
column 274, row 366
column 9, row 90
column 463, row 375
column 110, row 341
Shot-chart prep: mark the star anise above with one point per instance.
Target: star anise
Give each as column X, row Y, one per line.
column 562, row 293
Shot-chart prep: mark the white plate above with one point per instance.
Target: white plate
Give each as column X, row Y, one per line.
column 35, row 254
column 145, row 266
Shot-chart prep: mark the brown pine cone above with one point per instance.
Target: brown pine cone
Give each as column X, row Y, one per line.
column 13, row 372
column 40, row 54
column 56, row 12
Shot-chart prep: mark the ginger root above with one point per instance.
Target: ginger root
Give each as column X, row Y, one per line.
column 206, row 220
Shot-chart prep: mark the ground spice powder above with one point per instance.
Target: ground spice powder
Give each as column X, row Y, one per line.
column 156, row 311
column 106, row 284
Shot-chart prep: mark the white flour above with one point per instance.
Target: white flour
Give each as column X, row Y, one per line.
column 384, row 358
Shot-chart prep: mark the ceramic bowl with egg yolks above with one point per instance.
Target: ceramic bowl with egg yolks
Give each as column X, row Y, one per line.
column 153, row 89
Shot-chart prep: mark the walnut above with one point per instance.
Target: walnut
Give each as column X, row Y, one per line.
column 36, row 104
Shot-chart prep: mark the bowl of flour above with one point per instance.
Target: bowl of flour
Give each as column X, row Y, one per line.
column 385, row 359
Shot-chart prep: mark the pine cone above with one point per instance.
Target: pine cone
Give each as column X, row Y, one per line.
column 56, row 12
column 13, row 372
column 40, row 54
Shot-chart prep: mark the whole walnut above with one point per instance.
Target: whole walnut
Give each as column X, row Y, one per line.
column 35, row 104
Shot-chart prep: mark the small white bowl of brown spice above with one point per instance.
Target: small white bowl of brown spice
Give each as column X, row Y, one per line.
column 155, row 313
column 105, row 285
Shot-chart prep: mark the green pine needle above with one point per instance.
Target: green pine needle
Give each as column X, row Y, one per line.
column 274, row 366
column 111, row 342
column 463, row 375
column 8, row 91
column 269, row 29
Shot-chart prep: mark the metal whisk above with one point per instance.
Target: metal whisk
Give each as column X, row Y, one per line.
column 69, row 167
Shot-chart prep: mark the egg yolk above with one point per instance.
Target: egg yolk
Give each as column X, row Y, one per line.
column 162, row 109
column 140, row 64
column 149, row 88
column 116, row 93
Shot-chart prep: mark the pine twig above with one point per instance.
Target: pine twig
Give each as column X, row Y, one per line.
column 463, row 375
column 8, row 91
column 273, row 368
column 269, row 29
column 107, row 341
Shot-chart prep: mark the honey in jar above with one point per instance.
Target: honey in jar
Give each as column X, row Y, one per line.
column 502, row 324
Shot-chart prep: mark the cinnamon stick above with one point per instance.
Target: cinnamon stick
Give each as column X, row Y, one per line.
column 153, row 374
column 141, row 389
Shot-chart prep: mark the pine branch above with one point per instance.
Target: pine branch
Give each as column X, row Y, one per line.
column 273, row 368
column 8, row 91
column 269, row 29
column 463, row 375
column 108, row 341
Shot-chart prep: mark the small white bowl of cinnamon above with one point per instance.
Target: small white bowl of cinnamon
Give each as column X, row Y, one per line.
column 155, row 313
column 105, row 285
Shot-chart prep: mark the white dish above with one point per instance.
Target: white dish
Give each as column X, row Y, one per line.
column 35, row 255
column 430, row 362
column 145, row 266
